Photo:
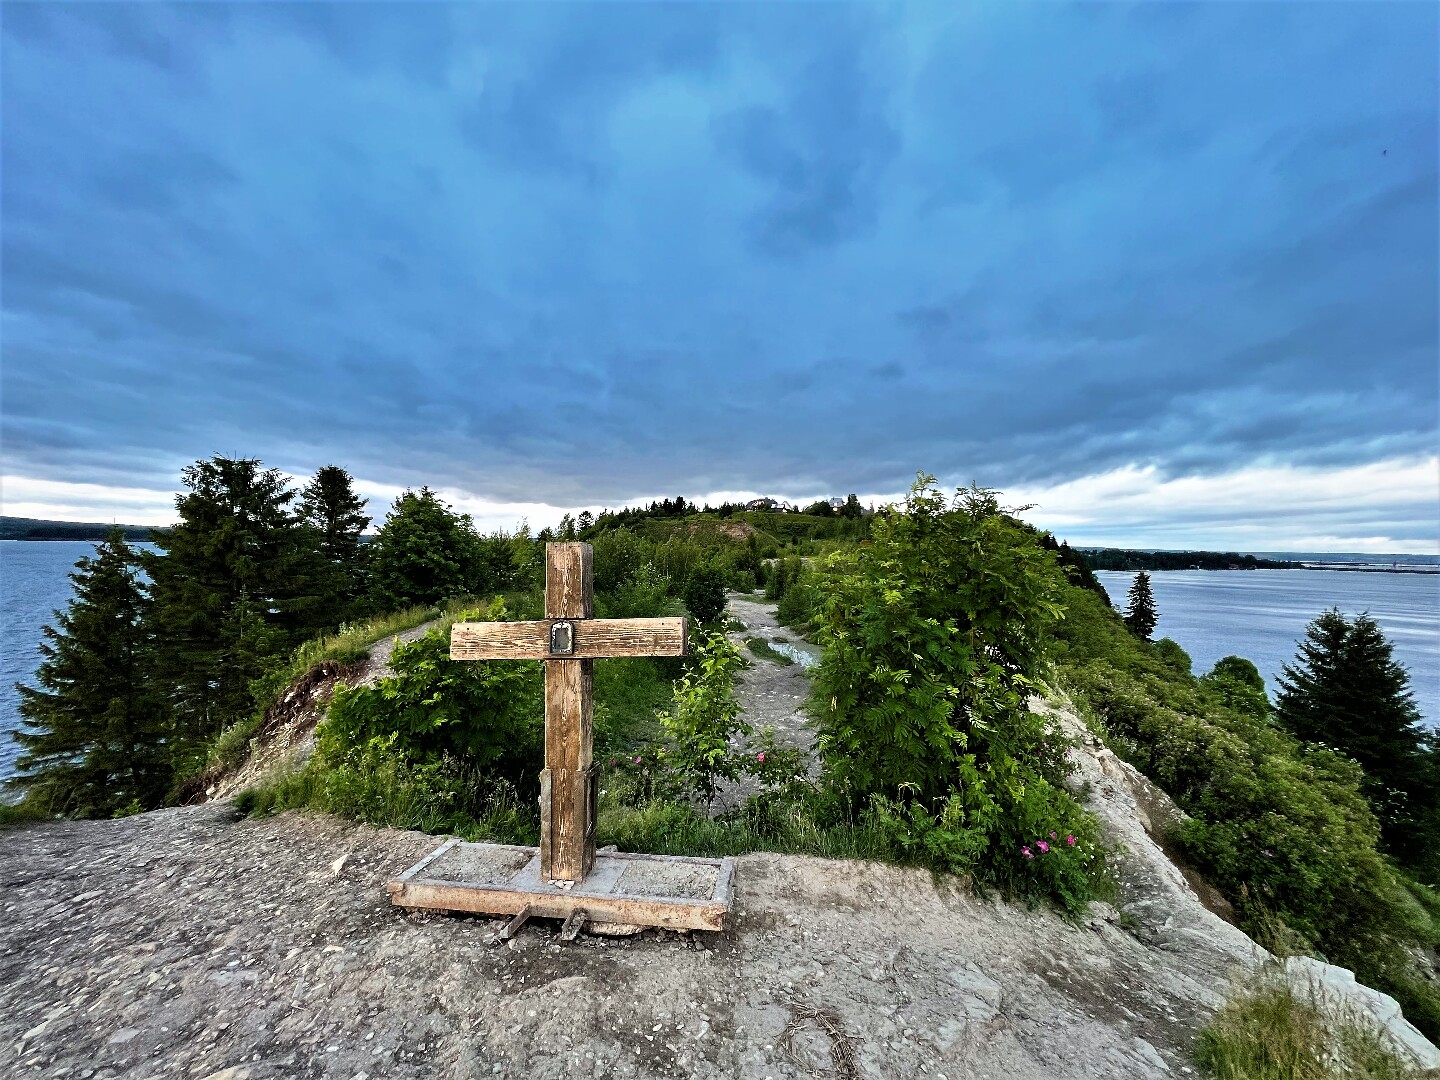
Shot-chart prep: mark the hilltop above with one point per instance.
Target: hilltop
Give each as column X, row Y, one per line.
column 240, row 949
column 243, row 949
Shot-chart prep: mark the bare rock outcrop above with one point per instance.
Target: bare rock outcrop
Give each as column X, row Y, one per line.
column 187, row 941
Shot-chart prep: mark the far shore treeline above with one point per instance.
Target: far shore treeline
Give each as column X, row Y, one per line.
column 938, row 622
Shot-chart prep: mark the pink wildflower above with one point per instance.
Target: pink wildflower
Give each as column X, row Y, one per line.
column 760, row 756
column 1026, row 852
column 1052, row 834
column 1043, row 846
column 1070, row 840
column 637, row 761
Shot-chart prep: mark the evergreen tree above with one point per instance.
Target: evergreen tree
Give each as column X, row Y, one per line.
column 233, row 587
column 704, row 593
column 94, row 729
column 1140, row 615
column 424, row 553
column 330, row 506
column 1346, row 690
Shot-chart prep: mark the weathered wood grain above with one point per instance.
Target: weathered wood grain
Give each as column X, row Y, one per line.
column 594, row 639
column 569, row 593
column 511, row 928
column 675, row 913
column 569, row 726
column 573, row 925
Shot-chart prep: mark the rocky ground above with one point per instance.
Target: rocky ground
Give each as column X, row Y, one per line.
column 192, row 943
column 186, row 942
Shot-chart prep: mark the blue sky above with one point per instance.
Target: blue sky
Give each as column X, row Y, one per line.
column 1168, row 270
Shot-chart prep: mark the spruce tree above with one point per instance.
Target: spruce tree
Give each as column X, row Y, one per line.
column 94, row 730
column 1140, row 615
column 422, row 554
column 329, row 505
column 1346, row 690
column 233, row 587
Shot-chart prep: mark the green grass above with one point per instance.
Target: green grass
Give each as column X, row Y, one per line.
column 776, row 824
column 762, row 648
column 382, row 788
column 1270, row 1032
column 21, row 813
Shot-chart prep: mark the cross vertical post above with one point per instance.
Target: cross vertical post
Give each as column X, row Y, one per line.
column 568, row 641
column 568, row 783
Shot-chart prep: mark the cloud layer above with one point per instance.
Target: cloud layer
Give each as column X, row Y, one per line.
column 558, row 256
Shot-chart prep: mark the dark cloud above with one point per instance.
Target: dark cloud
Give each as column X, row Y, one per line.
column 576, row 254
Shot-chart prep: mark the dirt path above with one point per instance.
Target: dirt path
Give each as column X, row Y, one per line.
column 187, row 943
column 378, row 666
column 771, row 694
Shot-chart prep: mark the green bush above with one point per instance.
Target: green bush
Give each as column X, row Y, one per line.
column 705, row 718
column 642, row 594
column 1170, row 652
column 704, row 594
column 931, row 634
column 799, row 606
column 485, row 715
column 378, row 785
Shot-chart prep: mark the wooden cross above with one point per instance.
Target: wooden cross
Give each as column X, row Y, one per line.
column 569, row 640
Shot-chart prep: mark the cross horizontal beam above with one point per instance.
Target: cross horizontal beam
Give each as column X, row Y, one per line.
column 594, row 639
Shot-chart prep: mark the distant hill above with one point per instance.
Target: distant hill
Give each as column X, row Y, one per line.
column 18, row 528
column 1121, row 559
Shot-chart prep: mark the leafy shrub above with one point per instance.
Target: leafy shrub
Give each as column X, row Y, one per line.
column 617, row 556
column 484, row 715
column 705, row 718
column 379, row 785
column 643, row 593
column 1170, row 652
column 704, row 594
column 800, row 605
column 931, row 634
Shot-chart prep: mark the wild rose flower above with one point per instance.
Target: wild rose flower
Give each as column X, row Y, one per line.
column 1026, row 852
column 1043, row 846
column 760, row 756
column 1052, row 834
column 637, row 761
column 1070, row 840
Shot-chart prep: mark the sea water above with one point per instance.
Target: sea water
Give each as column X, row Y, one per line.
column 1262, row 614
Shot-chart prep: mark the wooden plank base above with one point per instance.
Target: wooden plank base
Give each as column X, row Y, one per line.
column 669, row 891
